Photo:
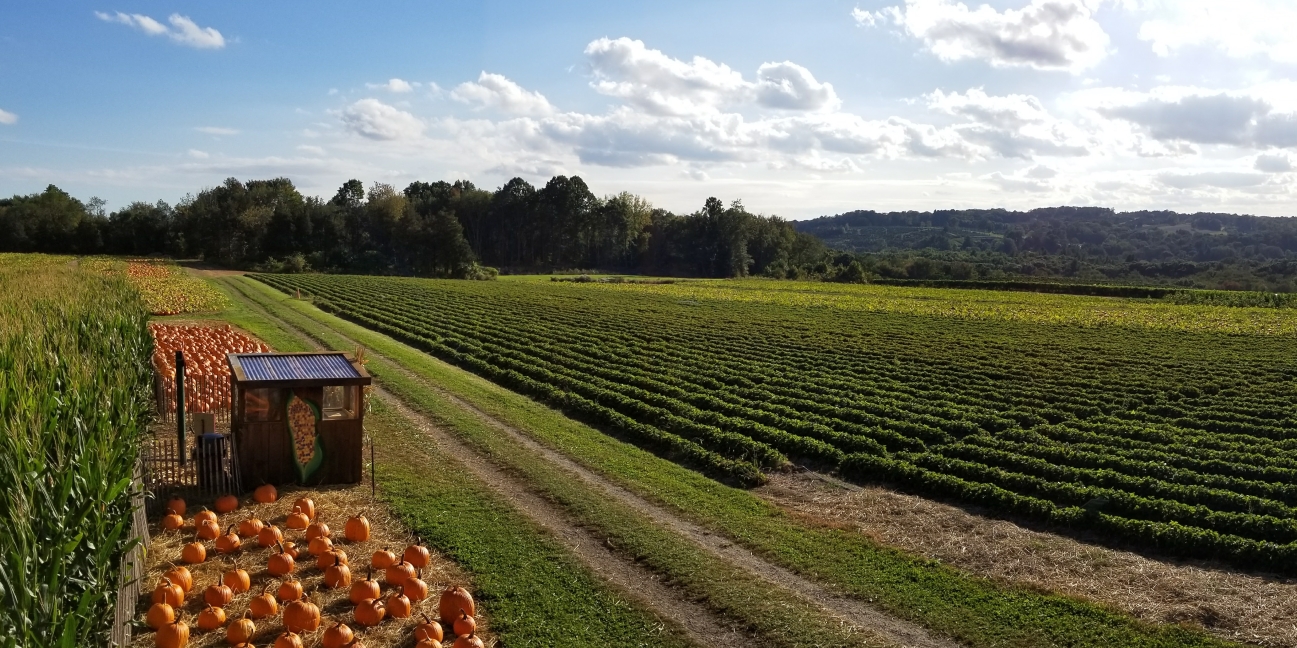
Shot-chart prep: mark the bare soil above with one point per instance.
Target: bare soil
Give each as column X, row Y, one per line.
column 1251, row 608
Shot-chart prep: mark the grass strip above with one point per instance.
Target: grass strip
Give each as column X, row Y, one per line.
column 974, row 610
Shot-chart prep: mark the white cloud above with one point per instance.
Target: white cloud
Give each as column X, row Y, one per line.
column 312, row 150
column 1273, row 163
column 198, row 155
column 394, row 85
column 1219, row 179
column 1046, row 34
column 1011, row 125
column 1200, row 116
column 217, row 130
column 376, row 120
column 791, row 86
column 182, row 30
column 7, row 118
column 499, row 93
column 1238, row 28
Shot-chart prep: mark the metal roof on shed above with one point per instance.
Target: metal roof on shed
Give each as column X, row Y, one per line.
column 296, row 366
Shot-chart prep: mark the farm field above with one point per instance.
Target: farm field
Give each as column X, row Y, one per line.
column 165, row 287
column 1172, row 433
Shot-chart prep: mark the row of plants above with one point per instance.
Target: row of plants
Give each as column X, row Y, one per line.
column 75, row 392
column 732, row 388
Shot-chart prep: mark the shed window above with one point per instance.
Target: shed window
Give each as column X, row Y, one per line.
column 339, row 402
column 263, row 404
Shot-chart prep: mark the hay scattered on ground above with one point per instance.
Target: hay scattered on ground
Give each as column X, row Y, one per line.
column 1229, row 604
column 334, row 505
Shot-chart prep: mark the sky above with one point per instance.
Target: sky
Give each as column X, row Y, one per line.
column 798, row 109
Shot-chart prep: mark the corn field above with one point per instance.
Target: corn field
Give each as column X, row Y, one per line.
column 75, row 392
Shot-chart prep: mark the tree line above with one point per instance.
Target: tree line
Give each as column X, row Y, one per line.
column 435, row 229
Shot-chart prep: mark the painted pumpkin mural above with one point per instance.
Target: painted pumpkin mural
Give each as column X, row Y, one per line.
column 302, row 414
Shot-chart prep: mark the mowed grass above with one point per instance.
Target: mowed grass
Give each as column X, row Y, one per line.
column 975, row 611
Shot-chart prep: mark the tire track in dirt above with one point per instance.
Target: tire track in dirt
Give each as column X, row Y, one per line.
column 851, row 611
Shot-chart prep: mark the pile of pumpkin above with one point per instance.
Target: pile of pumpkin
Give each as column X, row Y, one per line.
column 300, row 616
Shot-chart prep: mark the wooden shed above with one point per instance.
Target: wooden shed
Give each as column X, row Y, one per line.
column 297, row 417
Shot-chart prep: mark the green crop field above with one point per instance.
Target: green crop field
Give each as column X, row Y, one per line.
column 1167, row 426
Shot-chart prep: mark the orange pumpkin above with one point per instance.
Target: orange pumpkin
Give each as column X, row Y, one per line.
column 297, row 520
column 291, row 549
column 399, row 607
column 318, row 530
column 172, row 522
column 181, row 576
column 428, row 629
column 337, row 575
column 176, row 505
column 454, row 601
column 414, row 588
column 356, row 529
column 280, row 563
column 397, row 574
column 269, row 536
column 382, row 559
column 464, row 625
column 169, row 593
column 160, row 614
column 366, row 589
column 290, row 590
column 205, row 515
column 226, row 503
column 417, row 555
column 228, row 543
column 263, row 605
column 241, row 631
column 207, row 530
column 301, row 616
column 319, row 545
column 218, row 595
column 306, row 505
column 370, row 612
column 467, row 641
column 172, row 635
column 325, row 559
column 211, row 618
column 193, row 553
column 288, row 640
column 337, row 636
column 428, row 643
column 251, row 527
column 237, row 580
column 265, row 494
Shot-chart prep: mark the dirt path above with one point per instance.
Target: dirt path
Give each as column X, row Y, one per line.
column 852, row 612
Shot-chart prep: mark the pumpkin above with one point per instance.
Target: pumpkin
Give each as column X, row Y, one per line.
column 228, row 543
column 172, row 635
column 263, row 605
column 464, row 625
column 337, row 575
column 356, row 529
column 237, row 580
column 382, row 559
column 414, row 588
column 181, row 576
column 467, row 641
column 265, row 494
column 218, row 595
column 207, row 530
column 297, row 520
column 288, row 640
column 366, row 589
column 356, row 643
column 211, row 618
column 193, row 553
column 427, row 643
column 306, row 505
column 205, row 515
column 318, row 530
column 324, row 560
column 337, row 636
column 241, row 631
column 290, row 590
column 428, row 629
column 454, row 601
column 397, row 574
column 169, row 593
column 160, row 614
column 417, row 555
column 301, row 616
column 319, row 545
column 370, row 612
column 399, row 607
column 176, row 505
column 226, row 503
column 280, row 563
column 291, row 549
column 172, row 522
column 269, row 536
column 251, row 527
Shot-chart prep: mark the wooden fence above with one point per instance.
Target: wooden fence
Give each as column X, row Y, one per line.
column 133, row 567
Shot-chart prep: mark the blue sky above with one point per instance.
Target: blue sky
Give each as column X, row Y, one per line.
column 799, row 109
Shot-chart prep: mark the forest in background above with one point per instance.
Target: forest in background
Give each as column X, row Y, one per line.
column 444, row 229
